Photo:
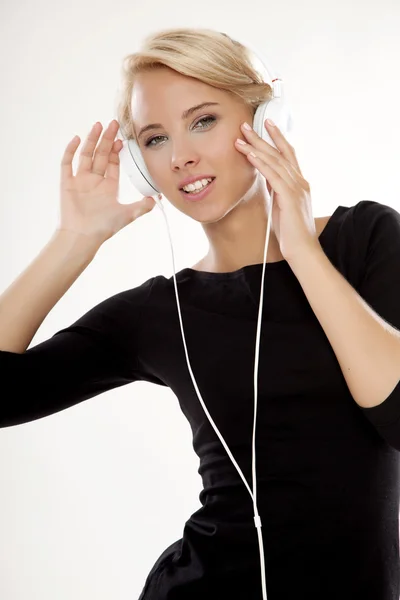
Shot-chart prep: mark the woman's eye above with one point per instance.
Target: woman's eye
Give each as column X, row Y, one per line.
column 156, row 137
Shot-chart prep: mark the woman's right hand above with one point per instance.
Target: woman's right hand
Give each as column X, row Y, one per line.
column 89, row 200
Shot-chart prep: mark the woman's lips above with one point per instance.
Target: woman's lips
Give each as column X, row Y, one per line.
column 199, row 195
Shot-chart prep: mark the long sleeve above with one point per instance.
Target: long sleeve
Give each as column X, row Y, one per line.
column 95, row 354
column 377, row 227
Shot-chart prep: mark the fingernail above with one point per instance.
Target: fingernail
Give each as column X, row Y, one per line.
column 270, row 122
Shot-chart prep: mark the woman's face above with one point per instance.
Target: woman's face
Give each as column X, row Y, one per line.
column 203, row 143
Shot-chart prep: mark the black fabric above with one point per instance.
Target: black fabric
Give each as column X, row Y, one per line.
column 327, row 470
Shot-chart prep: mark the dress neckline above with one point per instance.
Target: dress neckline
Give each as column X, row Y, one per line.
column 280, row 264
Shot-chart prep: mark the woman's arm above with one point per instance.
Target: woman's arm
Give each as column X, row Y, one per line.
column 28, row 300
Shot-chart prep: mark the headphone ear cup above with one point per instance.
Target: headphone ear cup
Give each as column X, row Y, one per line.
column 276, row 110
column 133, row 164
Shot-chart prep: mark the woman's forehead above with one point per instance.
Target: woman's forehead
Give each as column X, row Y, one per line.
column 163, row 94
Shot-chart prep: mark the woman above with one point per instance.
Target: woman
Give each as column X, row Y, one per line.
column 329, row 392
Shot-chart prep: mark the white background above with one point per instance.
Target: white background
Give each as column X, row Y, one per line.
column 91, row 496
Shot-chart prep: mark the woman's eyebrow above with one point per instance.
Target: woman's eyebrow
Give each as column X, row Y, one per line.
column 185, row 115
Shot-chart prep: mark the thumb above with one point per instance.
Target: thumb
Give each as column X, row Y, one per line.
column 148, row 202
column 140, row 208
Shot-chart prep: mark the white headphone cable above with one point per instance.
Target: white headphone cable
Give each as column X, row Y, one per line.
column 257, row 518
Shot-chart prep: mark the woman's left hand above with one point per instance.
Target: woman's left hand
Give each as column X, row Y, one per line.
column 292, row 217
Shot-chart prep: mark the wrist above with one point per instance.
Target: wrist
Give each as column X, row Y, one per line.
column 76, row 242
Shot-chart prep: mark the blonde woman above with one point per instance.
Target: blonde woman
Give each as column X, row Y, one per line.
column 329, row 395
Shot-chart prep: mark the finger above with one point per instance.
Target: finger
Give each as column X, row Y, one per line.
column 267, row 153
column 139, row 208
column 283, row 148
column 274, row 172
column 86, row 154
column 282, row 144
column 251, row 137
column 112, row 171
column 105, row 147
column 263, row 158
column 67, row 158
column 296, row 174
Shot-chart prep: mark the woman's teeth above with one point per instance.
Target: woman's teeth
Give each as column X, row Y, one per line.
column 195, row 188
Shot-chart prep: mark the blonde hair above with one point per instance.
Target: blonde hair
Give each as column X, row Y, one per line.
column 210, row 56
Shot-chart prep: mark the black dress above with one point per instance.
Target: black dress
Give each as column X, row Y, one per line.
column 327, row 470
